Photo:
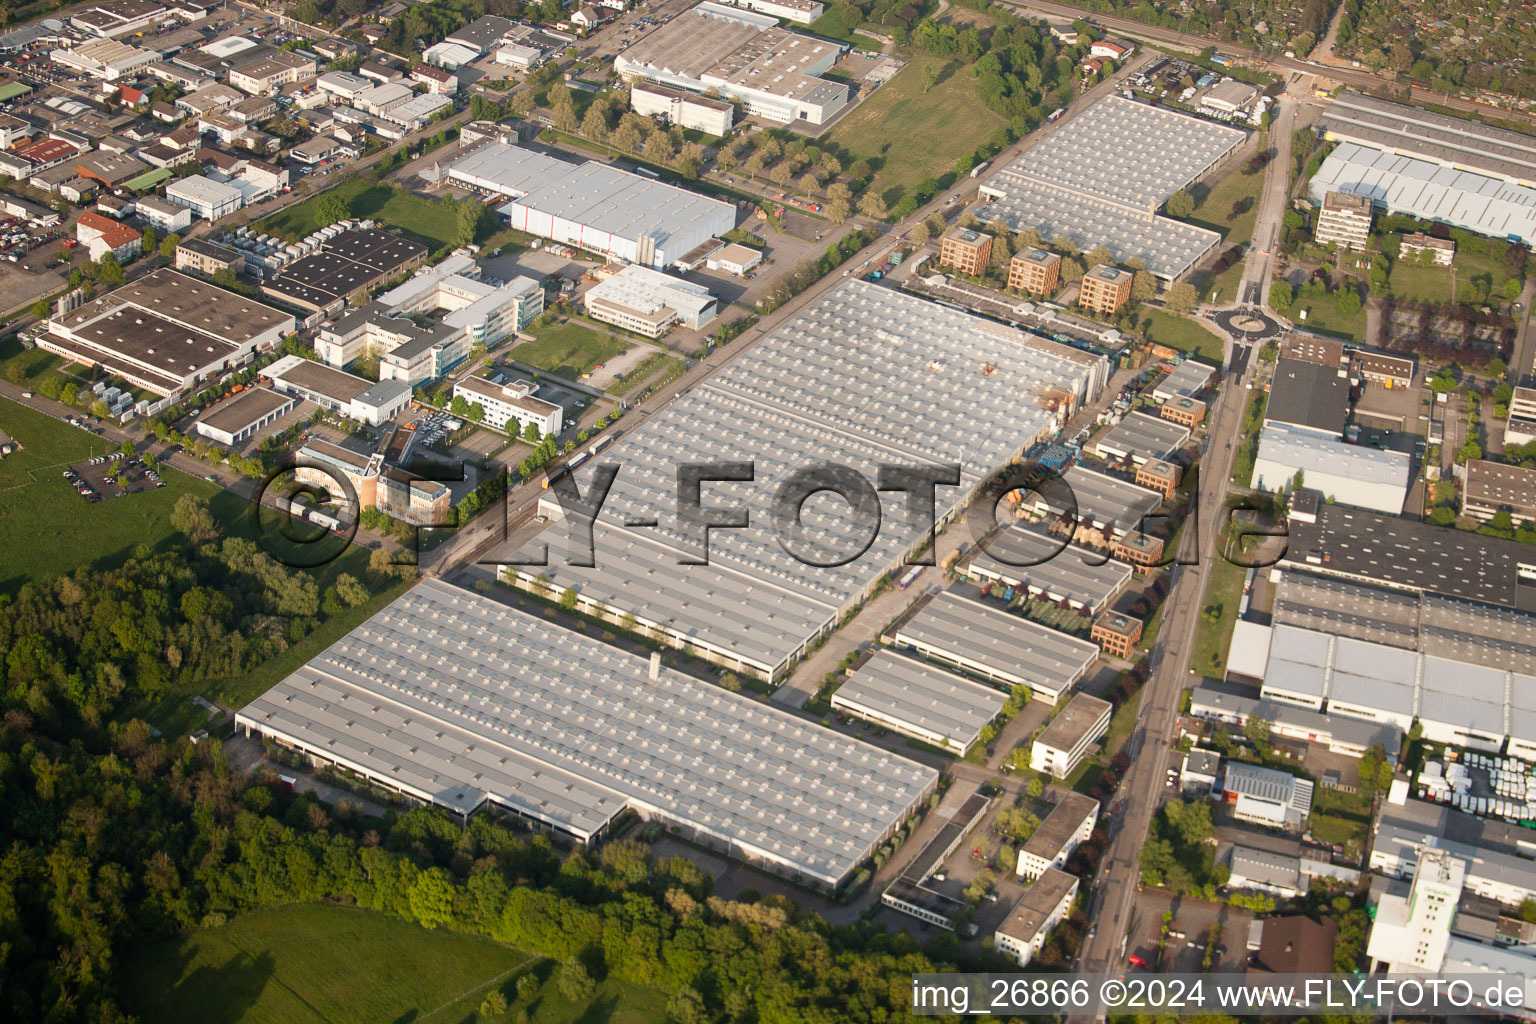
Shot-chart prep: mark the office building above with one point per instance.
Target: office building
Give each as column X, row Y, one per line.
column 1104, row 289
column 414, row 501
column 101, row 235
column 1187, row 380
column 163, row 215
column 204, row 196
column 1142, row 551
column 967, row 251
column 1494, row 487
column 593, row 205
column 454, row 713
column 271, row 72
column 1035, row 271
column 407, row 351
column 1187, row 412
column 1068, row 825
column 1415, row 244
column 742, row 56
column 166, row 332
column 1117, row 635
column 649, row 302
column 340, row 392
column 235, row 419
column 1157, row 475
column 455, row 293
column 339, row 474
column 1045, row 905
column 1065, row 742
column 1101, row 177
column 1520, row 428
column 1344, row 220
column 208, row 258
column 690, row 110
column 510, row 407
column 985, row 641
column 926, row 703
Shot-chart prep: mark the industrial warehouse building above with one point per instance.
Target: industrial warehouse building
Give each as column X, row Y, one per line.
column 593, row 205
column 1431, row 166
column 1187, row 380
column 1100, row 178
column 852, row 379
column 740, row 56
column 166, row 332
column 1351, row 474
column 987, row 641
column 1406, row 554
column 1107, row 504
column 446, row 696
column 344, row 269
column 231, row 422
column 1497, row 853
column 917, row 700
column 1026, row 558
column 339, row 391
column 1236, row 705
column 1140, row 438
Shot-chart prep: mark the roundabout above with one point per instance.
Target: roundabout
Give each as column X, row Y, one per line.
column 1248, row 324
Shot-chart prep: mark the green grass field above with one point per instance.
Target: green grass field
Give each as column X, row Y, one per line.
column 1215, row 211
column 317, row 962
column 50, row 529
column 568, row 350
column 1223, row 594
column 419, row 218
column 1184, row 334
column 1437, row 284
column 884, row 129
column 1340, row 818
column 832, row 25
column 1323, row 316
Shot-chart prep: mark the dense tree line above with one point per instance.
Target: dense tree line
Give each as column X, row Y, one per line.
column 113, row 837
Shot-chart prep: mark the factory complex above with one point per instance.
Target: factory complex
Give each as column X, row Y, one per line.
column 1100, row 178
column 855, row 379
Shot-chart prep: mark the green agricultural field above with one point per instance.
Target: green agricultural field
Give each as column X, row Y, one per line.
column 1184, row 334
column 316, row 962
column 883, row 128
column 421, row 219
column 50, row 529
column 568, row 349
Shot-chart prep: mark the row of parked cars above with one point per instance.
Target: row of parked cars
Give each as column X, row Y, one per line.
column 84, row 489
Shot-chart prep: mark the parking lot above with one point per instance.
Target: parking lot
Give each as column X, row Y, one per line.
column 111, row 476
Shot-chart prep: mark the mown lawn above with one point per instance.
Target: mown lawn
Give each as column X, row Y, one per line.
column 318, row 962
column 832, row 25
column 908, row 135
column 50, row 530
column 1215, row 211
column 1218, row 614
column 1323, row 316
column 420, row 218
column 568, row 349
column 1184, row 334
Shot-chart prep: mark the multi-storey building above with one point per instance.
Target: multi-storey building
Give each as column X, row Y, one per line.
column 1035, row 271
column 419, row 502
column 1442, row 250
column 1160, row 476
column 1061, row 747
column 1186, row 412
column 505, row 404
column 1345, row 220
column 1104, row 289
column 1117, row 635
column 969, row 252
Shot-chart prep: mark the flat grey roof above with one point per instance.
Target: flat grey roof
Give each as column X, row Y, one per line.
column 479, row 701
column 1347, row 608
column 592, row 193
column 1106, row 499
column 318, row 378
column 1308, row 394
column 976, row 631
column 1099, row 176
column 1060, row 825
column 1373, row 676
column 244, row 409
column 1034, row 908
column 1266, row 866
column 1074, row 721
column 1299, row 448
column 1186, row 380
column 1230, row 699
column 1149, row 437
column 863, row 377
column 919, row 694
column 1469, row 144
column 1022, row 554
column 1492, row 848
column 189, row 302
column 1413, row 555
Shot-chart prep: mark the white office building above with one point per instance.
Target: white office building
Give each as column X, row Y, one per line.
column 690, row 110
column 205, row 197
column 486, row 313
column 649, row 302
column 1066, row 741
column 351, row 396
column 510, row 407
column 1044, row 906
